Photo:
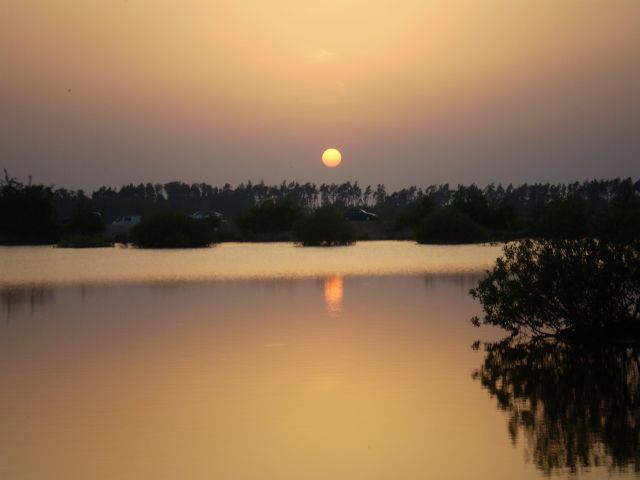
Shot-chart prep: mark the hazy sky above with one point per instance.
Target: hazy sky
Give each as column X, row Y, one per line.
column 412, row 92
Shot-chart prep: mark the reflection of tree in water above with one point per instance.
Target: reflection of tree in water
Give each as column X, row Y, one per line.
column 16, row 299
column 575, row 406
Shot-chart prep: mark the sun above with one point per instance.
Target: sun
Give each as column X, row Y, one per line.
column 331, row 157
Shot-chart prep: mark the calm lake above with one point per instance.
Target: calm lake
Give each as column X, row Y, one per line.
column 271, row 361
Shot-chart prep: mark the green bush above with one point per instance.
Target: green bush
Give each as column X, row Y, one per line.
column 326, row 226
column 171, row 230
column 84, row 241
column 449, row 226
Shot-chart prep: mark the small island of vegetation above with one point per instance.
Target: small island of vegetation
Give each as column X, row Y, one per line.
column 171, row 230
column 270, row 220
column 325, row 227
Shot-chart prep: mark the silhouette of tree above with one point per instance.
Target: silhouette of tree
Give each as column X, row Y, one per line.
column 621, row 221
column 472, row 202
column 26, row 212
column 269, row 218
column 448, row 225
column 85, row 221
column 415, row 212
column 171, row 230
column 602, row 208
column 326, row 226
column 585, row 288
column 561, row 218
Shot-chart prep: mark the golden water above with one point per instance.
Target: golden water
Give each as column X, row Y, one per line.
column 19, row 265
column 335, row 376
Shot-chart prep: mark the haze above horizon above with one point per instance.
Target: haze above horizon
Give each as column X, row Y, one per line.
column 228, row 91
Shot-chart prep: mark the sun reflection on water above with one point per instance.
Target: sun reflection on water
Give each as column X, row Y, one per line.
column 333, row 294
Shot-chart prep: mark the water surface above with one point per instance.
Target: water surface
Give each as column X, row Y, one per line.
column 226, row 261
column 336, row 376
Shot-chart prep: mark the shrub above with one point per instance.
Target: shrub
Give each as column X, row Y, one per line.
column 584, row 288
column 171, row 230
column 269, row 218
column 86, row 222
column 449, row 226
column 326, row 226
column 414, row 213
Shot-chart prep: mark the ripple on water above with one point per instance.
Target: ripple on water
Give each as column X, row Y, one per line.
column 50, row 265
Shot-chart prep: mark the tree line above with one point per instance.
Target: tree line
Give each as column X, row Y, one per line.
column 493, row 199
column 30, row 212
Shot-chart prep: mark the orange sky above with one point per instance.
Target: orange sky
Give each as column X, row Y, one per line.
column 410, row 91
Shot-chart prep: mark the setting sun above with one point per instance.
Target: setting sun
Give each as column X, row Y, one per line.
column 331, row 157
column 185, row 291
